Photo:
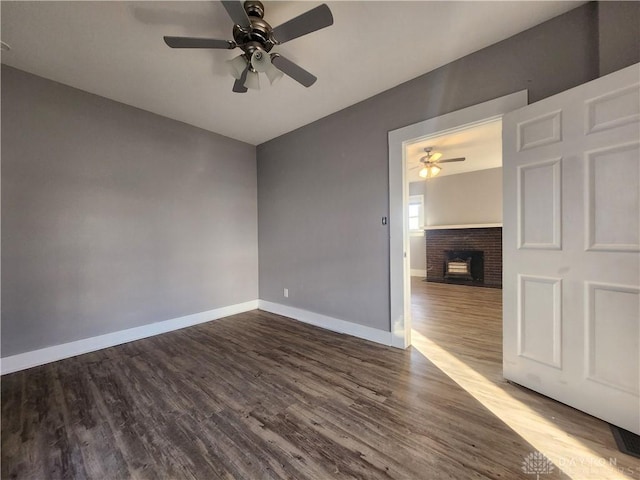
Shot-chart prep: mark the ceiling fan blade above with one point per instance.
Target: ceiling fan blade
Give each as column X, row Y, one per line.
column 235, row 9
column 448, row 160
column 238, row 85
column 296, row 72
column 190, row 42
column 314, row 19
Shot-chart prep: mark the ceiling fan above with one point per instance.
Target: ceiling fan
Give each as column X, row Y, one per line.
column 430, row 163
column 256, row 38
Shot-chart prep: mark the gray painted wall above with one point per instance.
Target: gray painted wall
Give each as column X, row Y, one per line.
column 113, row 217
column 619, row 35
column 323, row 188
column 467, row 198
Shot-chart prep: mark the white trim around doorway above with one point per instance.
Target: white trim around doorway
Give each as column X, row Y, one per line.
column 400, row 272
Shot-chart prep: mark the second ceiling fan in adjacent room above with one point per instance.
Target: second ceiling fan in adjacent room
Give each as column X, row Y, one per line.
column 429, row 164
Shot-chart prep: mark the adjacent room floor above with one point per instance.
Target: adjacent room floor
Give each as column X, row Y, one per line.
column 259, row 396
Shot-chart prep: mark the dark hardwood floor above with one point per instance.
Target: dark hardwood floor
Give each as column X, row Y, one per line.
column 259, row 396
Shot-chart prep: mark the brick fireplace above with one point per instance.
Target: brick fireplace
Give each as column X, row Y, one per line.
column 441, row 242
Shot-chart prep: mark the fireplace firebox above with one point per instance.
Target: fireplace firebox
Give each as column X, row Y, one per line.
column 464, row 266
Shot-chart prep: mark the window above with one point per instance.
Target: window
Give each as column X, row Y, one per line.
column 416, row 213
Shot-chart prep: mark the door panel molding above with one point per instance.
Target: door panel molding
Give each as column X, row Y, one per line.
column 612, row 110
column 539, row 131
column 533, row 199
column 622, row 372
column 623, row 195
column 546, row 319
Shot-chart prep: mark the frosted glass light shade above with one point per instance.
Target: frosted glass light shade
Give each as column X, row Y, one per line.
column 253, row 81
column 273, row 74
column 237, row 66
column 429, row 171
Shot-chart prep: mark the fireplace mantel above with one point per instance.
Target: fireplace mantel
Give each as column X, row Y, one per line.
column 456, row 227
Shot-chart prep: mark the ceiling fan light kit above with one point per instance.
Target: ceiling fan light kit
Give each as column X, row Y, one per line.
column 273, row 74
column 237, row 65
column 429, row 171
column 256, row 38
column 429, row 163
column 253, row 80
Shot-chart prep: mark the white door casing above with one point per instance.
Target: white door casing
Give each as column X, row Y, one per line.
column 571, row 247
column 400, row 273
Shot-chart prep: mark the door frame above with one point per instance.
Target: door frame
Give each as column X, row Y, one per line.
column 399, row 139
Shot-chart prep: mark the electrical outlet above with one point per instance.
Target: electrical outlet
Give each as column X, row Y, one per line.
column 286, row 293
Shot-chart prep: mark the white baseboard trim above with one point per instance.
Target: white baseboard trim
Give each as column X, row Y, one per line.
column 328, row 323
column 34, row 358
column 418, row 272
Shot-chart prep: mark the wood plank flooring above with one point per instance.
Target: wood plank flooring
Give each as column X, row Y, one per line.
column 259, row 396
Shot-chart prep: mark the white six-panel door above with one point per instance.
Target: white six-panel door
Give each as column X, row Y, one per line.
column 571, row 169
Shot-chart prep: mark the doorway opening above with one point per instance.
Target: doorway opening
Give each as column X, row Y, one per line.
column 455, row 257
column 456, row 234
column 402, row 143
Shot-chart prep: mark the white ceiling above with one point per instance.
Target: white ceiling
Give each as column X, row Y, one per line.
column 115, row 49
column 481, row 146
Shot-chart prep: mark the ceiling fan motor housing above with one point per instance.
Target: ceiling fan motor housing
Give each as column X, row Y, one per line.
column 258, row 36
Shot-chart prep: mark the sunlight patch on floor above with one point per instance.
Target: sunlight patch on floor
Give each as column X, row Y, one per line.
column 568, row 454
